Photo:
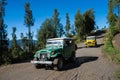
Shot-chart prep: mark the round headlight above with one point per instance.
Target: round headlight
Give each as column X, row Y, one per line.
column 38, row 55
column 53, row 52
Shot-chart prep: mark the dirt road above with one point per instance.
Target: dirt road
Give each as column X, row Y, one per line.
column 90, row 65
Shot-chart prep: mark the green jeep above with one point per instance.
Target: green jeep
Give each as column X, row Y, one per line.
column 57, row 51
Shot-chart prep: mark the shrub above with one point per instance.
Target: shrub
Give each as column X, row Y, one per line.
column 110, row 51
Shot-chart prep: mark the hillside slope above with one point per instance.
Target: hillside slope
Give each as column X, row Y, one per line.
column 116, row 41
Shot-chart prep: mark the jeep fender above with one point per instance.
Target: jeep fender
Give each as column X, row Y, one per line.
column 55, row 55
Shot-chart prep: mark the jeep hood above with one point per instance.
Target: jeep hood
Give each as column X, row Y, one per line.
column 46, row 50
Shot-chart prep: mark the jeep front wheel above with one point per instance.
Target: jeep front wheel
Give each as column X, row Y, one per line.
column 37, row 66
column 58, row 64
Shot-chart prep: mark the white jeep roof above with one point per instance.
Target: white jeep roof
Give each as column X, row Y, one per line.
column 59, row 39
column 90, row 36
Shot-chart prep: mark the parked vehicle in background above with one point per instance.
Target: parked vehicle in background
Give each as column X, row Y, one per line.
column 56, row 52
column 91, row 41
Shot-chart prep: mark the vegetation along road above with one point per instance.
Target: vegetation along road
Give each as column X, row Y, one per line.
column 90, row 65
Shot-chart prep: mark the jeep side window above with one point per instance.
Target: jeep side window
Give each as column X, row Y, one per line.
column 68, row 42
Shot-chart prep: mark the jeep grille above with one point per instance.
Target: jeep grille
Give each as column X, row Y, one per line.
column 42, row 56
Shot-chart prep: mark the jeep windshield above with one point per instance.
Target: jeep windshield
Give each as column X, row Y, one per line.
column 53, row 44
column 90, row 38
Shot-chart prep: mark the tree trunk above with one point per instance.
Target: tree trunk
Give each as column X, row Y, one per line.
column 29, row 38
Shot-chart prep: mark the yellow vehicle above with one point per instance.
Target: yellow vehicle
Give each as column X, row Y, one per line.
column 91, row 41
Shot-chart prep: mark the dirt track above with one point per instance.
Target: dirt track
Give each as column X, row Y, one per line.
column 90, row 65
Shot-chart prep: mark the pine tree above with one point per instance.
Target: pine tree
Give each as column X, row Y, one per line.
column 116, row 4
column 112, row 18
column 57, row 24
column 79, row 25
column 67, row 26
column 28, row 21
column 45, row 32
column 24, row 41
column 15, row 48
column 60, row 30
column 3, row 33
column 88, row 21
column 73, row 30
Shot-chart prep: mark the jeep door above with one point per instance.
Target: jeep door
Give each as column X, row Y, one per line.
column 67, row 49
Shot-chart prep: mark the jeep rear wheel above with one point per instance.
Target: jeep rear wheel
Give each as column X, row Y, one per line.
column 73, row 58
column 95, row 44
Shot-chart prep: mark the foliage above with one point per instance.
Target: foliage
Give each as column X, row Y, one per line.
column 60, row 30
column 50, row 28
column 28, row 21
column 110, row 51
column 84, row 23
column 73, row 31
column 110, row 11
column 67, row 26
column 112, row 31
column 79, row 24
column 114, row 27
column 113, row 19
column 58, row 27
column 24, row 41
column 15, row 48
column 4, row 56
column 88, row 18
column 28, row 18
column 56, row 22
column 76, row 38
column 117, row 75
column 47, row 30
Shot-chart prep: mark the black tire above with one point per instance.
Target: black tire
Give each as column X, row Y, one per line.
column 37, row 66
column 47, row 67
column 58, row 64
column 73, row 57
column 95, row 44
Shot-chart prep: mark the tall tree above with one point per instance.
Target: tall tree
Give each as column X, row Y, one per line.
column 28, row 21
column 56, row 22
column 112, row 18
column 60, row 30
column 24, row 41
column 3, row 32
column 116, row 4
column 15, row 47
column 73, row 30
column 89, row 21
column 67, row 26
column 79, row 24
column 46, row 31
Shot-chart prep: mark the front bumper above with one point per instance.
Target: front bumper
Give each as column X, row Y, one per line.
column 90, row 44
column 41, row 62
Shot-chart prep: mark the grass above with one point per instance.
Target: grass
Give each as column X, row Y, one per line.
column 117, row 75
column 112, row 54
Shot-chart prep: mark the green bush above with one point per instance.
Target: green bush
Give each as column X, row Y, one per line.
column 76, row 38
column 110, row 51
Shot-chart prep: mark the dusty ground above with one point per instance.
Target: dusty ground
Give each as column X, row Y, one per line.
column 90, row 65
